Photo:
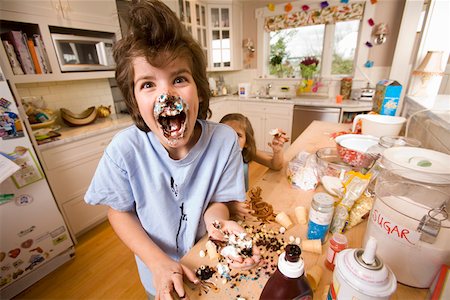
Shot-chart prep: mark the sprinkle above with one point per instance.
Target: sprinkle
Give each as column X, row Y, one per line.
column 324, row 4
column 373, row 1
column 288, row 7
column 305, row 7
column 369, row 44
column 371, row 22
column 344, row 1
column 271, row 6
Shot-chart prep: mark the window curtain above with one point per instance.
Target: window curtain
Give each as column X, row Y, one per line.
column 327, row 15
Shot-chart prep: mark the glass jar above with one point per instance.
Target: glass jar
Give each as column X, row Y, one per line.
column 346, row 87
column 386, row 142
column 320, row 215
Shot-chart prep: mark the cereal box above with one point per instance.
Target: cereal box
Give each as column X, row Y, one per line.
column 387, row 96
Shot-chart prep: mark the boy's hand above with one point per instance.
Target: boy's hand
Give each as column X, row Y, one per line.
column 239, row 209
column 218, row 230
column 168, row 279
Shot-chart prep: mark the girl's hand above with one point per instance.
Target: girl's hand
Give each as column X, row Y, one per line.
column 218, row 230
column 239, row 209
column 278, row 141
column 168, row 279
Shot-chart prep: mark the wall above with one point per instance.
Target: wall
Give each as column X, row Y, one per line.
column 72, row 95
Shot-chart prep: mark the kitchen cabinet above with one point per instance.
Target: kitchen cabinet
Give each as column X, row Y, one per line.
column 224, row 35
column 193, row 16
column 43, row 17
column 69, row 168
column 222, row 107
column 267, row 116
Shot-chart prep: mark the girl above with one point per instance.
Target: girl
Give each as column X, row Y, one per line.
column 244, row 130
column 167, row 178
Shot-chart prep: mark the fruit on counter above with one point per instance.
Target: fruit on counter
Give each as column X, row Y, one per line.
column 103, row 111
column 85, row 117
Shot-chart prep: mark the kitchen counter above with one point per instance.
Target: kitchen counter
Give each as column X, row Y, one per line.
column 101, row 125
column 277, row 191
column 346, row 105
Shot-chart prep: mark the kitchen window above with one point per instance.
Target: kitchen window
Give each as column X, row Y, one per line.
column 334, row 35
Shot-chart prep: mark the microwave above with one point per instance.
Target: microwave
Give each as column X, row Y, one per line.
column 81, row 53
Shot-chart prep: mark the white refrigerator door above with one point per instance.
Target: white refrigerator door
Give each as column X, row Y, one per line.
column 32, row 229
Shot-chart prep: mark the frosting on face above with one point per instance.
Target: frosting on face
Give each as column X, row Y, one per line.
column 170, row 112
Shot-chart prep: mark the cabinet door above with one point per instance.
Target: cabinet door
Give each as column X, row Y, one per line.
column 220, row 108
column 276, row 120
column 256, row 112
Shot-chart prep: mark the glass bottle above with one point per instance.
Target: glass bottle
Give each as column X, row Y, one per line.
column 320, row 215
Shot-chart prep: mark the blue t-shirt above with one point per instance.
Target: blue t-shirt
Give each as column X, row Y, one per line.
column 169, row 196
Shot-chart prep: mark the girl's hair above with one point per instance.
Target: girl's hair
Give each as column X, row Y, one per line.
column 249, row 151
column 156, row 33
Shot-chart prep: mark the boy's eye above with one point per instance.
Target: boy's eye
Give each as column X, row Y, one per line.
column 180, row 80
column 147, row 85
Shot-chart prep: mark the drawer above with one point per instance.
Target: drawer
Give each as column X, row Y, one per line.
column 82, row 216
column 69, row 180
column 73, row 152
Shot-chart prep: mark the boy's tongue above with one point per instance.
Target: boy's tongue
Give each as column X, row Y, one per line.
column 172, row 126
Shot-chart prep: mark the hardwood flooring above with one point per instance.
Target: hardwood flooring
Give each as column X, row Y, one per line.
column 103, row 268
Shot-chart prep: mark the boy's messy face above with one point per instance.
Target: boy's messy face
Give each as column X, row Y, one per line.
column 167, row 100
column 240, row 132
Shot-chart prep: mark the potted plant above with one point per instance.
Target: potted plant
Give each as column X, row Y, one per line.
column 308, row 67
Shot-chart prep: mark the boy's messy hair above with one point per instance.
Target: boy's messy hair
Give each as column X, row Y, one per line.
column 249, row 151
column 156, row 33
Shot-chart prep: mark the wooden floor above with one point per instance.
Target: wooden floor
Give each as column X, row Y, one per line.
column 103, row 267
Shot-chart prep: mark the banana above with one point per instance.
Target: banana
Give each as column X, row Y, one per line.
column 85, row 117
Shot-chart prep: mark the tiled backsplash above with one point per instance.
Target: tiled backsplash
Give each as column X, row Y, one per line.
column 76, row 95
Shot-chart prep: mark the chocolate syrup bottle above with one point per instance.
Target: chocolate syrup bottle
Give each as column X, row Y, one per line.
column 289, row 280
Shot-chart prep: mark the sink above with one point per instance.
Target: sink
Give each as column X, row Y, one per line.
column 270, row 97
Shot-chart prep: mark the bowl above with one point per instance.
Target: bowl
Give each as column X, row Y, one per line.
column 329, row 163
column 379, row 125
column 352, row 149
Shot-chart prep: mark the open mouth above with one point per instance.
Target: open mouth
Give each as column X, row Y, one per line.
column 170, row 114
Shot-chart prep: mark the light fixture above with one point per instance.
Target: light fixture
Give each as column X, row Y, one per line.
column 380, row 32
column 426, row 79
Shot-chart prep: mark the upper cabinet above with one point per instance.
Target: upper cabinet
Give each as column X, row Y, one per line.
column 33, row 23
column 224, row 35
column 193, row 16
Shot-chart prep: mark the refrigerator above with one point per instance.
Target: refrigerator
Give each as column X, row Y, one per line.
column 34, row 240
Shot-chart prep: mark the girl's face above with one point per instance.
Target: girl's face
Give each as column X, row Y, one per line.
column 168, row 102
column 236, row 125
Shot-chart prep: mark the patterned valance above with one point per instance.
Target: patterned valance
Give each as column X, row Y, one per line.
column 327, row 15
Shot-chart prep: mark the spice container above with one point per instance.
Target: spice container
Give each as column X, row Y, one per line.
column 346, row 87
column 320, row 215
column 337, row 243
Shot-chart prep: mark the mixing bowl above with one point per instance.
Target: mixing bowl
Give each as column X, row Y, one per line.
column 352, row 149
column 329, row 163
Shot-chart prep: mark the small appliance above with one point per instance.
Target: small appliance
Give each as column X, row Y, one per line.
column 83, row 53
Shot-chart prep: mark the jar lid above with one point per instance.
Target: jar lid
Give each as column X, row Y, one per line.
column 398, row 141
column 323, row 199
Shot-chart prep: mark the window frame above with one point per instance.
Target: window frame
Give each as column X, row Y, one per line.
column 361, row 53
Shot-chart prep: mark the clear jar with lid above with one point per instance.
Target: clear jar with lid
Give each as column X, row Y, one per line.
column 386, row 142
column 346, row 87
column 320, row 215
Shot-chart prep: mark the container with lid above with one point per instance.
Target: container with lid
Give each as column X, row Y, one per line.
column 360, row 274
column 410, row 221
column 320, row 215
column 289, row 280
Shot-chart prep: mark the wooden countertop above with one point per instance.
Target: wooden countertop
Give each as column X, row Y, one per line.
column 277, row 191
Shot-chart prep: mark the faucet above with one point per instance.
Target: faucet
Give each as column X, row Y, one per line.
column 268, row 87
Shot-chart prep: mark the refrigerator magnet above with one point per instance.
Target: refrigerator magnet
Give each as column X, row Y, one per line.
column 29, row 169
column 23, row 200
